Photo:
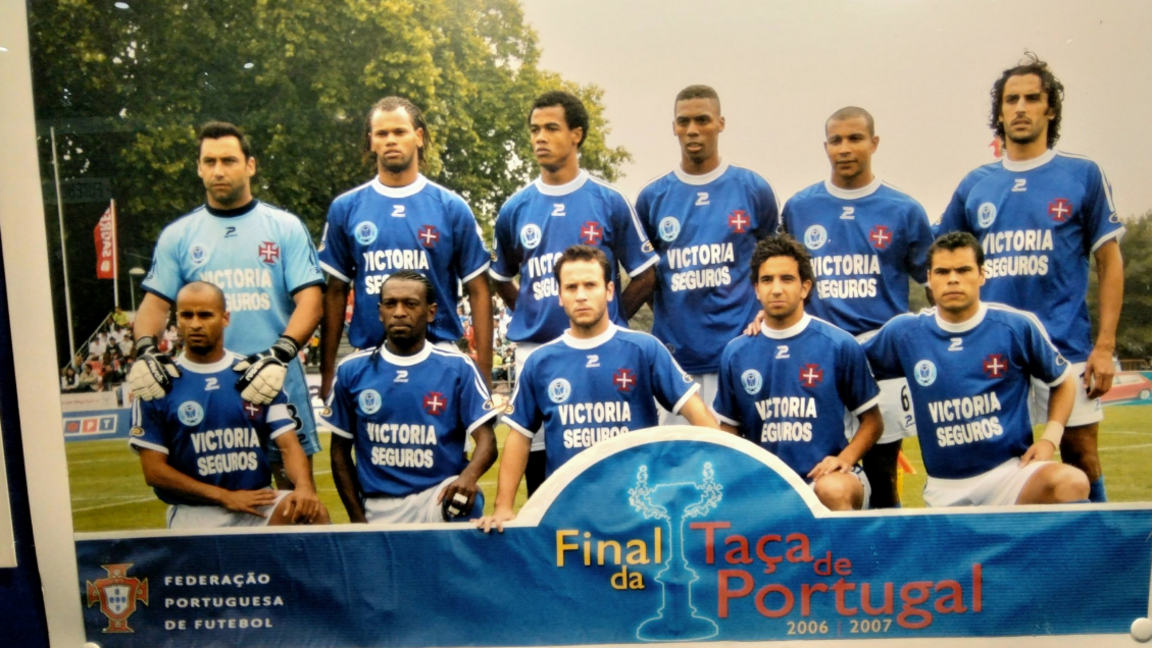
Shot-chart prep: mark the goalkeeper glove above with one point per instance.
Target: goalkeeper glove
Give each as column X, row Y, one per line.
column 152, row 372
column 263, row 373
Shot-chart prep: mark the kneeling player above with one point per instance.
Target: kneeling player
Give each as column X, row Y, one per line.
column 594, row 382
column 969, row 366
column 407, row 408
column 202, row 446
column 788, row 388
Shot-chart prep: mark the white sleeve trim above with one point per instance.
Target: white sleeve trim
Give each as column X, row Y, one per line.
column 148, row 445
column 1064, row 376
column 481, row 421
column 287, row 427
column 335, row 273
column 475, row 273
column 644, row 266
column 519, row 428
column 684, row 399
column 1114, row 234
column 334, row 429
column 867, row 406
column 723, row 419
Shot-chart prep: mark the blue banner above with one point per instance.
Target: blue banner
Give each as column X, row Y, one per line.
column 669, row 535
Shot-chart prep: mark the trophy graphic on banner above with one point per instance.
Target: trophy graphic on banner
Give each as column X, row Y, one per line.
column 677, row 619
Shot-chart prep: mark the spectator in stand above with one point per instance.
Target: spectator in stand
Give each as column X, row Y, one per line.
column 69, row 382
column 89, row 379
column 120, row 318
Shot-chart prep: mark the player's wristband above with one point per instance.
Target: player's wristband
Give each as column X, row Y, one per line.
column 285, row 349
column 144, row 343
column 1053, row 433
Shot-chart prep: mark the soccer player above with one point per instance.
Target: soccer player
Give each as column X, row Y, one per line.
column 405, row 409
column 867, row 239
column 401, row 221
column 969, row 366
column 263, row 259
column 704, row 217
column 790, row 388
column 1040, row 213
column 595, row 382
column 202, row 446
column 565, row 206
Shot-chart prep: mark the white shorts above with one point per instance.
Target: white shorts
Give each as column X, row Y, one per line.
column 1000, row 486
column 1085, row 411
column 858, row 471
column 709, row 384
column 523, row 350
column 415, row 508
column 188, row 516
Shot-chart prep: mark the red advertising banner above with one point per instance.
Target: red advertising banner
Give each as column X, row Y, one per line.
column 105, row 235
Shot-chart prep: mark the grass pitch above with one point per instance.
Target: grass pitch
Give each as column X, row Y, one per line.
column 109, row 493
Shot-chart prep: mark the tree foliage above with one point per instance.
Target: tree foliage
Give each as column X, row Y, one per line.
column 125, row 90
column 1134, row 335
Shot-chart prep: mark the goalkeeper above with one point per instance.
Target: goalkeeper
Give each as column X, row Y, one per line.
column 263, row 259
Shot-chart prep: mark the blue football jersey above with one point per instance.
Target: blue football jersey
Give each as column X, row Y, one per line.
column 865, row 244
column 1038, row 221
column 259, row 255
column 375, row 230
column 208, row 432
column 969, row 383
column 583, row 391
column 538, row 223
column 788, row 390
column 408, row 416
column 705, row 229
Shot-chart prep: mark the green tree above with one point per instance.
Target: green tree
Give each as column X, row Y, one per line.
column 126, row 88
column 1134, row 334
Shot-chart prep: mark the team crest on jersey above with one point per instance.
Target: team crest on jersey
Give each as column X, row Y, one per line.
column 190, row 413
column 369, row 400
column 752, row 381
column 986, row 215
column 253, row 411
column 326, row 412
column 365, row 233
column 995, row 366
column 559, row 390
column 489, row 405
column 815, row 237
column 530, row 236
column 647, row 248
column 591, row 233
column 198, row 254
column 136, row 431
column 738, row 221
column 925, row 373
column 428, row 236
column 811, row 375
column 624, row 379
column 669, row 228
column 881, row 237
column 1060, row 209
column 434, row 403
column 269, row 252
column 118, row 594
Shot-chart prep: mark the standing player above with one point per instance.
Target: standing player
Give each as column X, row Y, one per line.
column 704, row 217
column 401, row 221
column 595, row 382
column 969, row 366
column 565, row 206
column 867, row 239
column 789, row 388
column 406, row 409
column 1039, row 214
column 263, row 259
column 202, row 446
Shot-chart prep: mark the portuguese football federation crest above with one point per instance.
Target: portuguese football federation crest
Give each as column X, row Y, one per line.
column 118, row 595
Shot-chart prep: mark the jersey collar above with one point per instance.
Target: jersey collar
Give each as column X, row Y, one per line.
column 965, row 326
column 232, row 213
column 790, row 332
column 407, row 361
column 589, row 343
column 400, row 192
column 564, row 189
column 210, row 368
column 1028, row 165
column 697, row 180
column 853, row 194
